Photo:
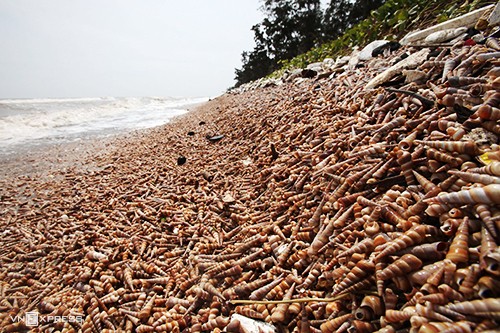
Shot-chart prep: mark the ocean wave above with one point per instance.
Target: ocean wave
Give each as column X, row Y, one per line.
column 52, row 100
column 28, row 120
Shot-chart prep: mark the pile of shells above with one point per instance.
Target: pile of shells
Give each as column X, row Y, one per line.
column 322, row 207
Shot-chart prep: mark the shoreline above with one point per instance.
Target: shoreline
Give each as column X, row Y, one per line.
column 47, row 158
column 66, row 126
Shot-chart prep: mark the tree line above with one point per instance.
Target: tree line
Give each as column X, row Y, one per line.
column 292, row 27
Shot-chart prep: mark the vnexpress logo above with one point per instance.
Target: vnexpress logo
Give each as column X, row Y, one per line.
column 31, row 319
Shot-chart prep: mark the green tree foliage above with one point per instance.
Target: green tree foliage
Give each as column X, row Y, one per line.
column 341, row 15
column 257, row 65
column 361, row 9
column 336, row 19
column 290, row 27
column 392, row 20
column 293, row 27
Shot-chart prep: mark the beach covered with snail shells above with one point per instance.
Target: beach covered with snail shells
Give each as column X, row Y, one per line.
column 359, row 201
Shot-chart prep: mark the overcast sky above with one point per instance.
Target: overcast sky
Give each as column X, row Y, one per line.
column 94, row 48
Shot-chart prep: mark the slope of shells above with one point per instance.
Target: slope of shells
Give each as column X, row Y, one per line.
column 364, row 210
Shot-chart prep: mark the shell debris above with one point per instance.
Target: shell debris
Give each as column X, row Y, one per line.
column 379, row 213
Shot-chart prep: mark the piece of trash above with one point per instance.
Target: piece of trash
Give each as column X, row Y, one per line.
column 366, row 52
column 190, row 133
column 201, row 123
column 215, row 138
column 181, row 160
column 469, row 42
column 391, row 46
column 489, row 157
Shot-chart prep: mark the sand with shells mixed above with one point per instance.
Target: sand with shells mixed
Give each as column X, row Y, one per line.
column 361, row 209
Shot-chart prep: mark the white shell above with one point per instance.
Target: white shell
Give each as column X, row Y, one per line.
column 252, row 325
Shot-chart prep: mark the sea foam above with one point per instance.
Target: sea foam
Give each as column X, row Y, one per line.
column 30, row 122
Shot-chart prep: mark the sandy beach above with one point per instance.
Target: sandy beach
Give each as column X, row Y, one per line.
column 317, row 189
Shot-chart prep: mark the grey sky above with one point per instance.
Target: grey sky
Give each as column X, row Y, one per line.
column 83, row 48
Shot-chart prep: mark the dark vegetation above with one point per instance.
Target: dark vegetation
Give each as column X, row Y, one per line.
column 293, row 27
column 295, row 33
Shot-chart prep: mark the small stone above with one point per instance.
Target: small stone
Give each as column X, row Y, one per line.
column 181, row 160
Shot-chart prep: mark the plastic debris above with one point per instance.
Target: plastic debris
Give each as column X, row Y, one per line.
column 366, row 52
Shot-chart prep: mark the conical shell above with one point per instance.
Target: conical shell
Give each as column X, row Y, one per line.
column 462, row 147
column 459, row 248
column 406, row 264
column 413, row 236
column 475, row 306
column 439, row 327
column 489, row 194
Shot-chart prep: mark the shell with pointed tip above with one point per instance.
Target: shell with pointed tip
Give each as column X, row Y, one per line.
column 331, row 326
column 357, row 273
column 406, row 264
column 492, row 263
column 462, row 147
column 477, row 306
column 492, row 169
column 459, row 248
column 439, row 327
column 394, row 316
column 489, row 194
column 411, row 237
column 218, row 322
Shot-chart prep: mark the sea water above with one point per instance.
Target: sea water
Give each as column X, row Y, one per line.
column 30, row 123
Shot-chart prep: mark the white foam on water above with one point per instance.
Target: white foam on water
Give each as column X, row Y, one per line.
column 29, row 122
